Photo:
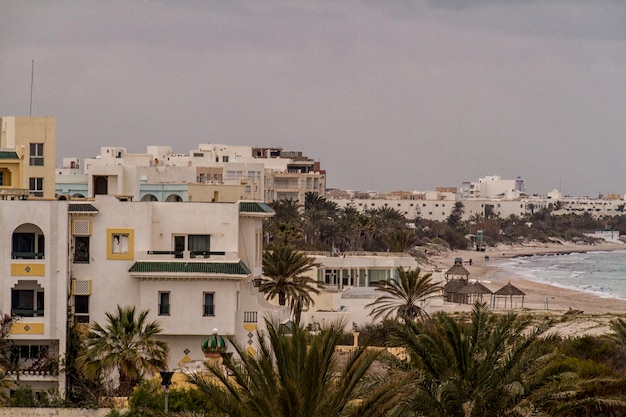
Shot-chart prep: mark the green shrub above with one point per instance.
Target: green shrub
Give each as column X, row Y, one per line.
column 585, row 368
column 24, row 396
column 150, row 396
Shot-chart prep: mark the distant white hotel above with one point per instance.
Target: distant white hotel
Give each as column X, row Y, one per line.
column 505, row 198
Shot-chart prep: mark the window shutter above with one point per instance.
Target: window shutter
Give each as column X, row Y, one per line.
column 81, row 287
column 81, row 228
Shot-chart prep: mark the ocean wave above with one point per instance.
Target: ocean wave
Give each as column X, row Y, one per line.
column 602, row 274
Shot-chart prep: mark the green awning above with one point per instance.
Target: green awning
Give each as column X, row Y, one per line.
column 219, row 268
column 8, row 155
column 254, row 207
column 82, row 208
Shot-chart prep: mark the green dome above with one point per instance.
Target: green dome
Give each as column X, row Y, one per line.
column 213, row 344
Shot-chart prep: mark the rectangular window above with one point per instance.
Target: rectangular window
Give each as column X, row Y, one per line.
column 208, row 307
column 35, row 187
column 81, row 249
column 120, row 244
column 164, row 303
column 21, row 353
column 1, row 180
column 27, row 303
column 36, row 154
column 81, row 308
column 199, row 245
column 179, row 246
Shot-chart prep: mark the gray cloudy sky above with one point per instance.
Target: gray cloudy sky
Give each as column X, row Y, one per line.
column 387, row 95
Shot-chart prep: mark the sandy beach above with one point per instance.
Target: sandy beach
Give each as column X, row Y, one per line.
column 594, row 311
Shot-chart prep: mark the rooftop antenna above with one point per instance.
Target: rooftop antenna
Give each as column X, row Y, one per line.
column 32, row 76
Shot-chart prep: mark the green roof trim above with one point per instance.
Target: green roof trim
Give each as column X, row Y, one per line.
column 255, row 207
column 222, row 268
column 8, row 155
column 82, row 208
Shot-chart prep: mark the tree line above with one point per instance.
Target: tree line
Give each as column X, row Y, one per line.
column 318, row 224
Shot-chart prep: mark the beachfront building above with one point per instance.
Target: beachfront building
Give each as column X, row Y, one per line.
column 611, row 205
column 192, row 265
column 218, row 173
column 347, row 282
column 489, row 195
column 27, row 157
column 434, row 205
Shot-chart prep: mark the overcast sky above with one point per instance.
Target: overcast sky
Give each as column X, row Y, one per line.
column 387, row 95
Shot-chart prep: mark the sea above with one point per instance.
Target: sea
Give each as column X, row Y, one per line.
column 600, row 273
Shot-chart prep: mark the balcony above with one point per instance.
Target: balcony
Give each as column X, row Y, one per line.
column 250, row 316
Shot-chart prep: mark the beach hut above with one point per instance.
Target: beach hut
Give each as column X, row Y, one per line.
column 457, row 277
column 508, row 291
column 457, row 271
column 452, row 291
column 473, row 292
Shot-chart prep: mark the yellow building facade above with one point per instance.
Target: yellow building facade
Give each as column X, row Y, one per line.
column 27, row 157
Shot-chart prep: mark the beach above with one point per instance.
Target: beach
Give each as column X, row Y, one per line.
column 581, row 312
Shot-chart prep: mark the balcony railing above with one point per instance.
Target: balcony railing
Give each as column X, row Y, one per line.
column 250, row 316
column 23, row 312
column 185, row 254
column 27, row 255
column 81, row 258
column 208, row 310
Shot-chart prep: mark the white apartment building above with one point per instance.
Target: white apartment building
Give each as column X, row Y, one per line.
column 34, row 287
column 192, row 264
column 210, row 173
column 493, row 186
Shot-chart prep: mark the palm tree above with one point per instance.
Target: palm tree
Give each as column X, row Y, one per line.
column 283, row 269
column 295, row 376
column 383, row 219
column 401, row 240
column 456, row 214
column 128, row 345
column 357, row 228
column 491, row 365
column 618, row 325
column 403, row 297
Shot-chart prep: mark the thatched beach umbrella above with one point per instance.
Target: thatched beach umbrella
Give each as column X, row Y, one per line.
column 474, row 292
column 457, row 271
column 509, row 291
column 451, row 290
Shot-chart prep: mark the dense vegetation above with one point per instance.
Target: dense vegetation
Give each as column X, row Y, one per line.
column 468, row 364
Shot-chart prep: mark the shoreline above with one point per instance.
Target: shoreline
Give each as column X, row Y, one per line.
column 593, row 311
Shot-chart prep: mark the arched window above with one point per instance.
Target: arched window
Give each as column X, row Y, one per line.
column 149, row 197
column 173, row 197
column 28, row 242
